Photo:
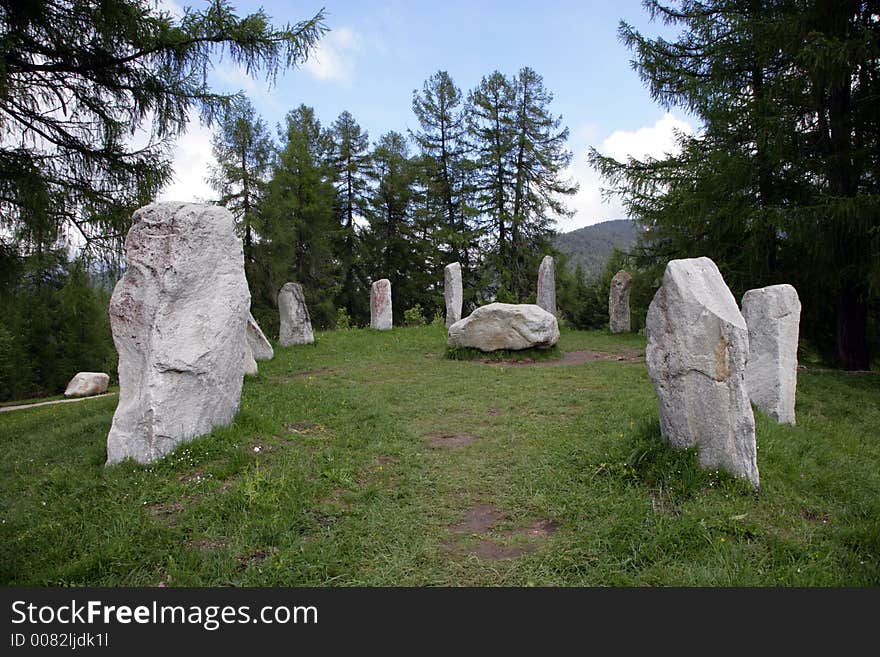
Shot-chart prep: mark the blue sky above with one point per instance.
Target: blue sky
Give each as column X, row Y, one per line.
column 377, row 53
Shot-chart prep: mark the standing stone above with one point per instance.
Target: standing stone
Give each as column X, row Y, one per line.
column 87, row 383
column 505, row 326
column 618, row 302
column 697, row 349
column 773, row 316
column 380, row 305
column 547, row 285
column 296, row 325
column 250, row 365
column 260, row 347
column 452, row 290
column 178, row 317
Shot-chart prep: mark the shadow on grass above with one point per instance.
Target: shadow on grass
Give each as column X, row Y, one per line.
column 469, row 353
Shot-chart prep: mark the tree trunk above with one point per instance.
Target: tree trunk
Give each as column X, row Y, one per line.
column 852, row 319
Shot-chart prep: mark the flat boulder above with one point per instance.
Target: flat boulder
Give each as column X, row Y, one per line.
column 85, row 384
column 296, row 324
column 261, row 348
column 178, row 317
column 505, row 326
column 698, row 345
column 773, row 316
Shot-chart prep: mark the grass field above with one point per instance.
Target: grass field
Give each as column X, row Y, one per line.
column 371, row 459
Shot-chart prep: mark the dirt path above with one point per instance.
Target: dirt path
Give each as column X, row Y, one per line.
column 3, row 409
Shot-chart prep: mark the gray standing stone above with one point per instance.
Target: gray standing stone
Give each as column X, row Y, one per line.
column 773, row 316
column 452, row 290
column 546, row 297
column 505, row 326
column 250, row 365
column 178, row 317
column 697, row 349
column 261, row 349
column 85, row 384
column 296, row 325
column 618, row 303
column 380, row 305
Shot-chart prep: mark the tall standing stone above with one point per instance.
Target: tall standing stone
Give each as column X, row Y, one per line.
column 773, row 316
column 261, row 348
column 452, row 290
column 547, row 285
column 380, row 305
column 698, row 344
column 618, row 303
column 296, row 325
column 178, row 317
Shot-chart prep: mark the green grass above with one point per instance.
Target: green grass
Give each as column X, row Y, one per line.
column 328, row 477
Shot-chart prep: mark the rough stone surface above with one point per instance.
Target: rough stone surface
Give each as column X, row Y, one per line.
column 260, row 347
column 87, row 383
column 452, row 290
column 618, row 303
column 178, row 317
column 250, row 365
column 773, row 316
column 546, row 298
column 296, row 324
column 696, row 354
column 380, row 305
column 505, row 326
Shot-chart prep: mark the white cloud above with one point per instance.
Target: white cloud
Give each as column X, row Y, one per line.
column 654, row 141
column 192, row 158
column 333, row 59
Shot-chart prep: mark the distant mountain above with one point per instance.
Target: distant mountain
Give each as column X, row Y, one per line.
column 592, row 245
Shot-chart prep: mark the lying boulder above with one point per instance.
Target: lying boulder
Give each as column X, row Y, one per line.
column 261, row 348
column 696, row 354
column 296, row 324
column 773, row 316
column 505, row 326
column 85, row 384
column 178, row 317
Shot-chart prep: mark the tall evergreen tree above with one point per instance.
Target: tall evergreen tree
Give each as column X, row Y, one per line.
column 783, row 183
column 79, row 79
column 297, row 219
column 350, row 159
column 243, row 150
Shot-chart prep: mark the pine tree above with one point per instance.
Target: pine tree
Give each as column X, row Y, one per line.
column 350, row 160
column 79, row 79
column 243, row 150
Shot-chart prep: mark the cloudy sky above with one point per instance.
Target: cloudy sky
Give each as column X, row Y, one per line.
column 378, row 52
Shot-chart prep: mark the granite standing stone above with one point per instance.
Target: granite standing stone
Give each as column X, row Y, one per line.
column 296, row 325
column 773, row 316
column 698, row 344
column 546, row 297
column 261, row 348
column 505, row 326
column 380, row 305
column 618, row 303
column 452, row 290
column 179, row 317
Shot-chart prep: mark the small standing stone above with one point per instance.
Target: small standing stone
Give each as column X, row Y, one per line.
column 179, row 318
column 453, row 293
column 546, row 298
column 618, row 303
column 85, row 384
column 296, row 325
column 261, row 349
column 698, row 344
column 773, row 316
column 250, row 365
column 380, row 305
